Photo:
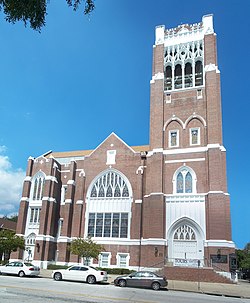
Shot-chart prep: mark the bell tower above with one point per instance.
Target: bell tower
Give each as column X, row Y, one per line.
column 186, row 142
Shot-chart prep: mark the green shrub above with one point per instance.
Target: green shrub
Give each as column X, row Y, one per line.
column 116, row 271
column 54, row 266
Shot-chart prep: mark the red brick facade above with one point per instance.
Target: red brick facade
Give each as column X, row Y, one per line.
column 172, row 193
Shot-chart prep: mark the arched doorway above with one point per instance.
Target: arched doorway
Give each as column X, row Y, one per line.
column 186, row 243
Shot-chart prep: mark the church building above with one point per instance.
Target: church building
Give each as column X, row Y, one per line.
column 148, row 206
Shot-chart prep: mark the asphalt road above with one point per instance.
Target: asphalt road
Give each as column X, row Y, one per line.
column 26, row 290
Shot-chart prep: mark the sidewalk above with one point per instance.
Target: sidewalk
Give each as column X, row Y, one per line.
column 239, row 290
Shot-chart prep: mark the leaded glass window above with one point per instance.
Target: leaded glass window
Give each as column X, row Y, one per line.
column 184, row 182
column 110, row 185
column 185, row 233
column 194, row 136
column 113, row 225
column 38, row 187
column 34, row 215
column 173, row 138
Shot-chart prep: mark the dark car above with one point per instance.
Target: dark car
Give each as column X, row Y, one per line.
column 142, row 279
column 245, row 274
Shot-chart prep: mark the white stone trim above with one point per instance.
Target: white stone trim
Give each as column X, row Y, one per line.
column 158, row 76
column 69, row 201
column 153, row 241
column 51, row 178
column 71, row 182
column 138, row 201
column 25, row 199
column 185, row 160
column 211, row 67
column 159, row 34
column 153, row 194
column 219, row 243
column 27, row 178
column 79, row 202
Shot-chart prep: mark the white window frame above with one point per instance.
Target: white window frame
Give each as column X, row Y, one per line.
column 111, row 154
column 177, row 138
column 118, row 258
column 101, row 259
column 63, row 194
column 198, row 136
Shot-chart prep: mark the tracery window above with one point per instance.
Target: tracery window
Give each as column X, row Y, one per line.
column 184, row 182
column 185, row 62
column 38, row 187
column 31, row 239
column 110, row 185
column 184, row 233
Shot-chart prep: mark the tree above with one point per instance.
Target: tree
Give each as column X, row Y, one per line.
column 243, row 257
column 34, row 11
column 85, row 248
column 9, row 242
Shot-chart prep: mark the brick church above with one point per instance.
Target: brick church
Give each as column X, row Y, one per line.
column 166, row 202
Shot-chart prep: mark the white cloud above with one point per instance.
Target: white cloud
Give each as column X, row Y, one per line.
column 11, row 183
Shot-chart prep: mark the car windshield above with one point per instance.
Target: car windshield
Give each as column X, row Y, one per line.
column 28, row 264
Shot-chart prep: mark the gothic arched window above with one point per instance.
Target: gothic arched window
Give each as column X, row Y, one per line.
column 198, row 73
column 184, row 181
column 178, row 77
column 110, row 185
column 184, row 233
column 38, row 186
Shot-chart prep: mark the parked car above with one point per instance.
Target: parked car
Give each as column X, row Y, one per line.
column 83, row 273
column 20, row 268
column 142, row 279
column 246, row 274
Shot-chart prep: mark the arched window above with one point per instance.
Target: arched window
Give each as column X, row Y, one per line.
column 31, row 239
column 198, row 73
column 109, row 206
column 188, row 75
column 178, row 77
column 110, row 185
column 184, row 181
column 168, row 78
column 184, row 233
column 38, row 186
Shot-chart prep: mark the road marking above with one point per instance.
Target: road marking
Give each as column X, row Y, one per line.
column 78, row 294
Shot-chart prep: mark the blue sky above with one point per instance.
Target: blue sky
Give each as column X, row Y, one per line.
column 83, row 77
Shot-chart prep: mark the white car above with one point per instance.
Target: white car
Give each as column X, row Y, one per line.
column 83, row 273
column 20, row 268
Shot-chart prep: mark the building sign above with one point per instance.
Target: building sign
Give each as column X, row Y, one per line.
column 218, row 259
column 186, row 262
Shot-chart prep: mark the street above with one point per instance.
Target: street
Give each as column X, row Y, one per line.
column 42, row 290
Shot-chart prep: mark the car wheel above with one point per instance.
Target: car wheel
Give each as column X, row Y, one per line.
column 57, row 276
column 21, row 274
column 156, row 286
column 91, row 279
column 122, row 283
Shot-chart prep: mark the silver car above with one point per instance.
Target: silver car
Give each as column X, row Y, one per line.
column 20, row 268
column 142, row 279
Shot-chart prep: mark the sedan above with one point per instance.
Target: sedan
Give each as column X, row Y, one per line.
column 142, row 279
column 83, row 273
column 20, row 268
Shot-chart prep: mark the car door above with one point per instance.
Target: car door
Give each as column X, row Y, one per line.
column 83, row 273
column 146, row 279
column 72, row 273
column 134, row 279
column 9, row 268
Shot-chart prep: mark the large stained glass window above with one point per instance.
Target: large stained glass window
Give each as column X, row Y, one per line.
column 184, row 233
column 113, row 225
